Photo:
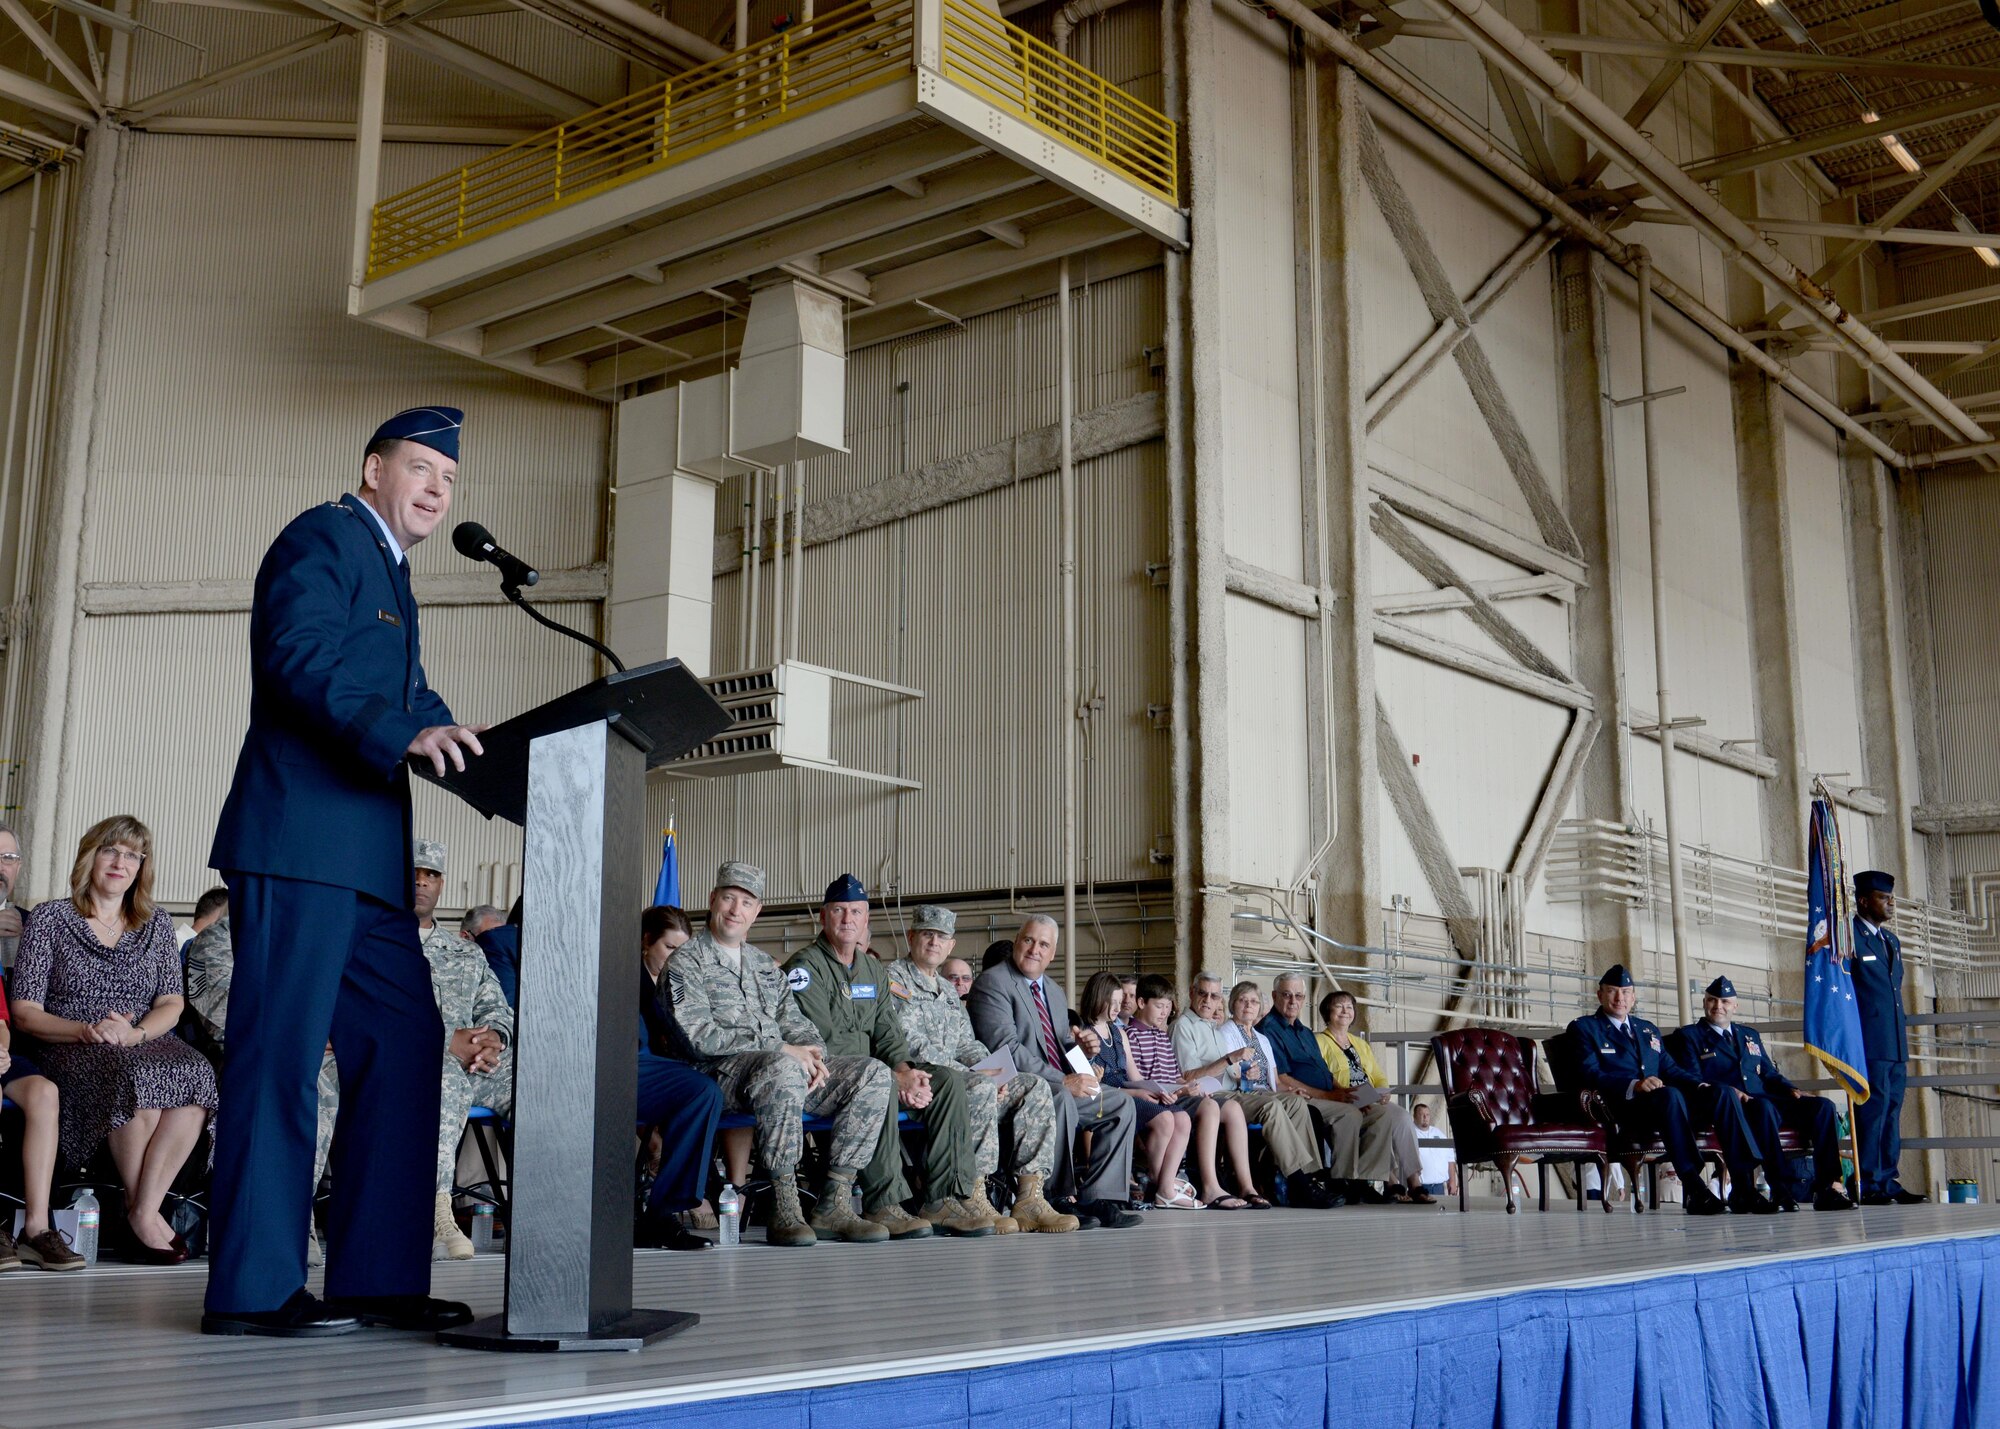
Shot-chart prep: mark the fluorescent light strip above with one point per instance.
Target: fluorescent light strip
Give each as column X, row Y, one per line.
column 1964, row 225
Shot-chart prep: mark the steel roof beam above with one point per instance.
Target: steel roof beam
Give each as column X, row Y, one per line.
column 1864, row 233
column 264, row 63
column 725, row 222
column 60, row 61
column 1900, row 122
column 802, row 239
column 43, row 98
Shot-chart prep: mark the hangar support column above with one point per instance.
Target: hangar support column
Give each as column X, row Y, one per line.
column 56, row 619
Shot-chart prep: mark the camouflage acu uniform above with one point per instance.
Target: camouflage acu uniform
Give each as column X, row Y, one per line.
column 468, row 995
column 211, row 967
column 738, row 1019
column 939, row 1030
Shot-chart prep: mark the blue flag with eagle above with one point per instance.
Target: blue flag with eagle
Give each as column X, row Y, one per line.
column 667, row 891
column 1833, row 1017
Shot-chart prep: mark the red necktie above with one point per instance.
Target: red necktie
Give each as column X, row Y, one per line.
column 1049, row 1043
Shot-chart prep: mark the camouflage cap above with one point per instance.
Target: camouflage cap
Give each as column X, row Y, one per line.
column 746, row 876
column 427, row 853
column 933, row 919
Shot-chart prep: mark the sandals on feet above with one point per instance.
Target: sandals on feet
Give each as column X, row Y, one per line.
column 1226, row 1202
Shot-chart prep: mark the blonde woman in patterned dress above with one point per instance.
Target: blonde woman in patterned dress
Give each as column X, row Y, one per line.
column 98, row 981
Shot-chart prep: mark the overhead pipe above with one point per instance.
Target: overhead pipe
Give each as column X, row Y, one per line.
column 1572, row 102
column 638, row 17
column 1063, row 26
column 1497, row 161
column 1656, row 541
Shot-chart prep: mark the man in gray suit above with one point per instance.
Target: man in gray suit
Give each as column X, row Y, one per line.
column 1015, row 1007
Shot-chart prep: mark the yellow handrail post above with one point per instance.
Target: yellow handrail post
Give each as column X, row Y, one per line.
column 560, row 129
column 464, row 178
column 666, row 114
column 784, row 71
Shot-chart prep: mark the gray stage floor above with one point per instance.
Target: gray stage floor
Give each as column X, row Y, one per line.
column 117, row 1346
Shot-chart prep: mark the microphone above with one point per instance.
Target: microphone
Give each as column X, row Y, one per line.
column 475, row 542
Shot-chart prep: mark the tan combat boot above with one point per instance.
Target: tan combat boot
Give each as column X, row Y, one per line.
column 900, row 1224
column 1034, row 1212
column 788, row 1224
column 445, row 1234
column 834, row 1215
column 980, row 1206
column 952, row 1216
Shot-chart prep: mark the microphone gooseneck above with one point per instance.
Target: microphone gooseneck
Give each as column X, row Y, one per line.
column 475, row 542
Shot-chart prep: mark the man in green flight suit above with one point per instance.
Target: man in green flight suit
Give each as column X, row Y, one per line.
column 843, row 989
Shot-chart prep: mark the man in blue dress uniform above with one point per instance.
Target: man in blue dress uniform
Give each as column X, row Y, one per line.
column 314, row 842
column 1878, row 988
column 1731, row 1055
column 1647, row 1093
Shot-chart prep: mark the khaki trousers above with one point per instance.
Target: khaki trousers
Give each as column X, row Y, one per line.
column 1288, row 1129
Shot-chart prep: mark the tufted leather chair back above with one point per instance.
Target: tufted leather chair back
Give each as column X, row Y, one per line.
column 1500, row 1066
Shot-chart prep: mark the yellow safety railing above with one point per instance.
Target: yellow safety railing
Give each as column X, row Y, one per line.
column 837, row 55
column 1012, row 70
column 832, row 57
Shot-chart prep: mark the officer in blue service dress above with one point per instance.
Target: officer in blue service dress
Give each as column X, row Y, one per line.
column 314, row 842
column 1878, row 988
column 1730, row 1054
column 1647, row 1093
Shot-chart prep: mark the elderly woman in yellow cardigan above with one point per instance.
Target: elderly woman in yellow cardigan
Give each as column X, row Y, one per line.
column 1352, row 1062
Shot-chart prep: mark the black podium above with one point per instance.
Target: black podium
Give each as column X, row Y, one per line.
column 572, row 772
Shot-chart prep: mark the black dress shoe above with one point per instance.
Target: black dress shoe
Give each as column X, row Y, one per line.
column 403, row 1312
column 1877, row 1198
column 1700, row 1201
column 303, row 1317
column 666, row 1233
column 1832, row 1200
column 1068, row 1206
column 1787, row 1204
column 1901, row 1197
column 1752, row 1203
column 1110, row 1214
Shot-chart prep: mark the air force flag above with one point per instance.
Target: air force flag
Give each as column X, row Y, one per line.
column 1833, row 1018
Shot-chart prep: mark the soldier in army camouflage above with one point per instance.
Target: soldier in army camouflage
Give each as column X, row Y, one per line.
column 211, row 967
column 743, row 1022
column 939, row 1031
column 478, row 1065
column 841, row 985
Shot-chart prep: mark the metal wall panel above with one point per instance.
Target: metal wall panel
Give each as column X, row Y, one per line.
column 1472, row 224
column 1829, row 680
column 1271, row 834
column 1707, row 599
column 244, row 393
column 973, row 622
column 1961, row 513
column 1256, row 340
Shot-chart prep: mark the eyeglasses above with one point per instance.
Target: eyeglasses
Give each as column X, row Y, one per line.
column 115, row 853
column 9, row 859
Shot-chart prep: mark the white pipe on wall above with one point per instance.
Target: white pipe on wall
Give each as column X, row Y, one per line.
column 753, row 568
column 778, row 480
column 1066, row 331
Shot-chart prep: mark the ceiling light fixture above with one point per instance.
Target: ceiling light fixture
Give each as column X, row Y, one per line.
column 1895, row 146
column 1964, row 225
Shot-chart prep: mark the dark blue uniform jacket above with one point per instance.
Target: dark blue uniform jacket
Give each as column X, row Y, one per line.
column 337, row 693
column 1740, row 1060
column 1878, row 988
column 1609, row 1061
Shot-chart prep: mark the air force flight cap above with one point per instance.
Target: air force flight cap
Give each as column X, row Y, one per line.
column 845, row 889
column 1721, row 987
column 1615, row 976
column 1874, row 881
column 433, row 427
column 933, row 919
column 746, row 876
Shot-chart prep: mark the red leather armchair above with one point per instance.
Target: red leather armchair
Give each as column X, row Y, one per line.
column 1500, row 1114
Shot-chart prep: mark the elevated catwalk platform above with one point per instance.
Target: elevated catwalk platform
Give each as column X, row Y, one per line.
column 1393, row 1317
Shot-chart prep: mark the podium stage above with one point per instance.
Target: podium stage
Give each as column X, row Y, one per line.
column 1398, row 1317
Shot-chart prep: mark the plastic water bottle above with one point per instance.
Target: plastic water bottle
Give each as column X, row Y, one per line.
column 482, row 1227
column 87, row 1216
column 729, row 1215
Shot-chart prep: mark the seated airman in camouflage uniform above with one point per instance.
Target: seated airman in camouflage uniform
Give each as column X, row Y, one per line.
column 479, row 1038
column 732, row 1002
column 939, row 1032
column 211, row 967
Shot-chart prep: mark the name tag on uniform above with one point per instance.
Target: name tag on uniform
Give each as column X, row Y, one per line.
column 861, row 992
column 1867, row 957
column 1607, row 1049
column 388, row 617
column 1708, row 1051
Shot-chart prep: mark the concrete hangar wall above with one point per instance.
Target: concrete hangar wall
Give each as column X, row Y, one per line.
column 1280, row 468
